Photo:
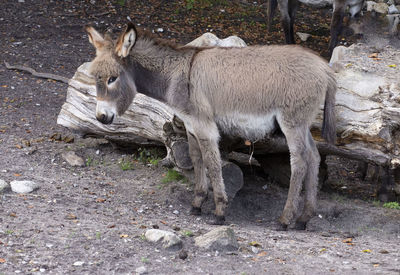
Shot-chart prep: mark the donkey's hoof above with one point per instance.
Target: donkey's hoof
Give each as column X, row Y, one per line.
column 196, row 211
column 218, row 220
column 281, row 227
column 300, row 225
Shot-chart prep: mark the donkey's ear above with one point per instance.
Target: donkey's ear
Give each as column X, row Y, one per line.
column 126, row 41
column 95, row 38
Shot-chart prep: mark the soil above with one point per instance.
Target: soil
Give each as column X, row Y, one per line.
column 91, row 220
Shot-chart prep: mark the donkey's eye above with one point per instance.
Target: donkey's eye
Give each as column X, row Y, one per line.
column 111, row 80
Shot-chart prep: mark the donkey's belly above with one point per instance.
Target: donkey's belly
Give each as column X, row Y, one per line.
column 247, row 126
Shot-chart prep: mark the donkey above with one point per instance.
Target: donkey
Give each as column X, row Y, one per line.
column 288, row 10
column 242, row 92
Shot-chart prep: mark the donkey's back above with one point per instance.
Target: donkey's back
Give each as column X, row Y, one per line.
column 247, row 89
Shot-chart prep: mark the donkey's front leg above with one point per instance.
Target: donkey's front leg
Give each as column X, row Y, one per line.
column 212, row 161
column 201, row 184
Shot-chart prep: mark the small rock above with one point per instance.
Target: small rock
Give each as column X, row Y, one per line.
column 393, row 9
column 160, row 30
column 3, row 185
column 73, row 159
column 176, row 212
column 168, row 239
column 303, row 36
column 222, row 239
column 183, row 254
column 23, row 186
column 78, row 263
column 141, row 270
column 254, row 249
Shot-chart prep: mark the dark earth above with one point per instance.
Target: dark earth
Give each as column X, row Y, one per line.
column 91, row 220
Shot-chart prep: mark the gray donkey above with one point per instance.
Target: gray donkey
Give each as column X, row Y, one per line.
column 242, row 92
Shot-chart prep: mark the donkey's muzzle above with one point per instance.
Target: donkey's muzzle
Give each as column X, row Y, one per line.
column 103, row 118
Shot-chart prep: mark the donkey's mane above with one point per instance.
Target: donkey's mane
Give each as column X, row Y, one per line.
column 157, row 41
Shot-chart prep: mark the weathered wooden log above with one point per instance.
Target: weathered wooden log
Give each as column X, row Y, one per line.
column 368, row 115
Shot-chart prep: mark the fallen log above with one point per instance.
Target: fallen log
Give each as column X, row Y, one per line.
column 368, row 117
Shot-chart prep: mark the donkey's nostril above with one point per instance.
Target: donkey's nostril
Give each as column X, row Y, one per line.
column 104, row 119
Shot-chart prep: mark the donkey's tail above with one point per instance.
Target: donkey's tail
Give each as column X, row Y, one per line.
column 329, row 122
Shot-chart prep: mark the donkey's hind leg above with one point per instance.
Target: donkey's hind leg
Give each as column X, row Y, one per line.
column 201, row 184
column 297, row 142
column 311, row 183
column 212, row 161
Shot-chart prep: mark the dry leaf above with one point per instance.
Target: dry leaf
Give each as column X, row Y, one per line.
column 376, row 265
column 17, row 175
column 262, row 253
column 71, row 217
column 18, row 146
column 123, row 236
column 392, row 65
column 374, row 55
column 247, row 142
column 100, row 200
column 348, row 240
column 255, row 244
column 13, row 215
column 367, row 251
column 2, row 261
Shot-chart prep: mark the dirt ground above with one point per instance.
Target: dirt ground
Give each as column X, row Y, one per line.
column 91, row 220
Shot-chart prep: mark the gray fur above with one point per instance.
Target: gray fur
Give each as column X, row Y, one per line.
column 239, row 91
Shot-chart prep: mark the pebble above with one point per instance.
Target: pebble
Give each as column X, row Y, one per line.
column 160, row 30
column 78, row 263
column 3, row 185
column 23, row 186
column 183, row 254
column 141, row 270
column 176, row 212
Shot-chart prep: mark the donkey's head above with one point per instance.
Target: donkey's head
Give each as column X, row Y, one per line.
column 114, row 86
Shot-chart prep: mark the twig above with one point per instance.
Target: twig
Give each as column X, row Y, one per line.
column 35, row 73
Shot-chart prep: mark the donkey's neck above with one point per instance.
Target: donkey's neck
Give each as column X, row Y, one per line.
column 156, row 67
column 158, row 57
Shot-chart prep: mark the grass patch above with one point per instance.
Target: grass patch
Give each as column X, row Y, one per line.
column 173, row 175
column 392, row 205
column 187, row 233
column 126, row 164
column 149, row 155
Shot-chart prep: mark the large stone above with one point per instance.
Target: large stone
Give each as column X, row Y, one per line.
column 3, row 185
column 393, row 9
column 381, row 8
column 222, row 239
column 208, row 39
column 168, row 239
column 23, row 186
column 73, row 159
